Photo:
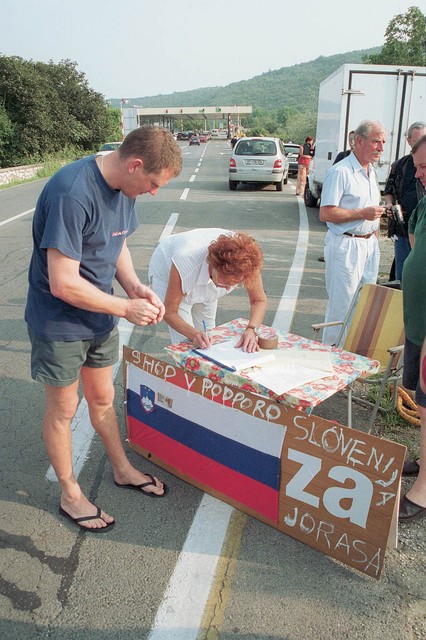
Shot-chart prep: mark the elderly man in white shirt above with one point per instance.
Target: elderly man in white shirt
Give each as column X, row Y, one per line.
column 350, row 206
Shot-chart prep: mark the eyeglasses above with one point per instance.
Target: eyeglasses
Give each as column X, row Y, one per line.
column 222, row 285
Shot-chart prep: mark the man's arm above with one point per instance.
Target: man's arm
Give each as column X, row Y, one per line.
column 338, row 215
column 67, row 284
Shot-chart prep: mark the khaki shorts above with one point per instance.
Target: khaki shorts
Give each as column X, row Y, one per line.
column 58, row 363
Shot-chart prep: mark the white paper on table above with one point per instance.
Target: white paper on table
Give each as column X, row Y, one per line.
column 304, row 358
column 280, row 378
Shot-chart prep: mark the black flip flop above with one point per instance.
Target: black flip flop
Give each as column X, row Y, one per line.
column 77, row 521
column 141, row 487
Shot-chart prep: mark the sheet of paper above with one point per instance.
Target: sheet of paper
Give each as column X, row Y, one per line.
column 304, row 358
column 280, row 378
column 225, row 354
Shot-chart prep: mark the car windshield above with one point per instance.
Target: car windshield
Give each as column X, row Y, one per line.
column 256, row 148
column 110, row 146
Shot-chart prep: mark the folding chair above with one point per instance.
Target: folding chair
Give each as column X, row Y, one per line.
column 374, row 327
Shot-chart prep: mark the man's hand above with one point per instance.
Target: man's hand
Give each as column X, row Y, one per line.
column 372, row 213
column 142, row 312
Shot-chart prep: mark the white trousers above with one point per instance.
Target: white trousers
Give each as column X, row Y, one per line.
column 194, row 314
column 349, row 263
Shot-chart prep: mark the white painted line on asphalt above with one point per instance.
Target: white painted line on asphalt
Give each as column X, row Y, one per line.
column 24, row 213
column 196, row 170
column 184, row 194
column 82, row 431
column 180, row 613
column 182, row 608
column 287, row 304
column 170, row 225
column 192, row 178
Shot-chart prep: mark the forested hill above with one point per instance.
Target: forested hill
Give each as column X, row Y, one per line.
column 295, row 86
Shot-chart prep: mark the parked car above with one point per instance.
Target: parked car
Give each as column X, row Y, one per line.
column 258, row 160
column 194, row 140
column 292, row 151
column 108, row 147
column 182, row 135
column 203, row 137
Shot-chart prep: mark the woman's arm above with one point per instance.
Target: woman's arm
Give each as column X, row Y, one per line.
column 258, row 305
column 172, row 301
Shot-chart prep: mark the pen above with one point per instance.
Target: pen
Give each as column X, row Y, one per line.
column 205, row 328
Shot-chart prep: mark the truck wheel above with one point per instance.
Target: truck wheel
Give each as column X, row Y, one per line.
column 233, row 185
column 309, row 198
column 279, row 185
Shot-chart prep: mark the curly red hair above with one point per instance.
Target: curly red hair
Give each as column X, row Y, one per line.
column 238, row 257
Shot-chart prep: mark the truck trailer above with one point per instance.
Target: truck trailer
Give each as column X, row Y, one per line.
column 394, row 95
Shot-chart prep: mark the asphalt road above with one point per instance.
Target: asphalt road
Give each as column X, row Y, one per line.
column 58, row 583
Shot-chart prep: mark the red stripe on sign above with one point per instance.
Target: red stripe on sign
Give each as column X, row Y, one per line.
column 240, row 488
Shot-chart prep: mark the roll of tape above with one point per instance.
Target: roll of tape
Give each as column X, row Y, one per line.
column 267, row 343
column 267, row 339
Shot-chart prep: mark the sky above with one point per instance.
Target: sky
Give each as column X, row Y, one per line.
column 138, row 48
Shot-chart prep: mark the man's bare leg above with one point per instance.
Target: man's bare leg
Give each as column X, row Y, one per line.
column 98, row 390
column 61, row 405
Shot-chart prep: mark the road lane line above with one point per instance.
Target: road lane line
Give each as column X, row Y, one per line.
column 287, row 304
column 184, row 194
column 181, row 613
column 192, row 178
column 24, row 213
column 170, row 225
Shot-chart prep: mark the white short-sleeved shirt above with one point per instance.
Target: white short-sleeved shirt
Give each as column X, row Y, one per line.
column 347, row 185
column 188, row 252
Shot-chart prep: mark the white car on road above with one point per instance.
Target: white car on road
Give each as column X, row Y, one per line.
column 258, row 159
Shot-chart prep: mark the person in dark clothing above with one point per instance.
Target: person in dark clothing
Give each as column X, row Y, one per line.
column 402, row 188
column 343, row 154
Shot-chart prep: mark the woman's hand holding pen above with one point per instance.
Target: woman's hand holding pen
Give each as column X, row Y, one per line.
column 201, row 338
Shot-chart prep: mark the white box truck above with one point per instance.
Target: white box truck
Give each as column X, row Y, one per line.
column 354, row 92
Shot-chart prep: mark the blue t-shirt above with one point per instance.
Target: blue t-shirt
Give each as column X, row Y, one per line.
column 81, row 216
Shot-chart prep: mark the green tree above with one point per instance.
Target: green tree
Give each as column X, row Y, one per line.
column 405, row 39
column 300, row 125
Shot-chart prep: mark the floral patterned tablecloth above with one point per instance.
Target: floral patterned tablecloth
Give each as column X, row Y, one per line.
column 347, row 367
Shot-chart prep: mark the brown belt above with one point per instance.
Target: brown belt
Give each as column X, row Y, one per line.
column 354, row 235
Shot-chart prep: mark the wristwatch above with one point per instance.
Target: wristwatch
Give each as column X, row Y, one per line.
column 251, row 326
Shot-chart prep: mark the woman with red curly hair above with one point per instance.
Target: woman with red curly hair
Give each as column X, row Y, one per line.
column 190, row 271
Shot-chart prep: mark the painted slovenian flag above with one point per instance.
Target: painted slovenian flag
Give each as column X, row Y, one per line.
column 235, row 454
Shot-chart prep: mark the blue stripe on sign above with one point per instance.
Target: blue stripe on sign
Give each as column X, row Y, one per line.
column 238, row 457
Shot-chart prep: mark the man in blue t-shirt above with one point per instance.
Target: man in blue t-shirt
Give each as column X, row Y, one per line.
column 81, row 223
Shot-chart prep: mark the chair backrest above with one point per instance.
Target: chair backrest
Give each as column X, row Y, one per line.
column 377, row 322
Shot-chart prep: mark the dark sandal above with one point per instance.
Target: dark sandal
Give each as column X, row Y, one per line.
column 141, row 487
column 409, row 510
column 411, row 468
column 77, row 521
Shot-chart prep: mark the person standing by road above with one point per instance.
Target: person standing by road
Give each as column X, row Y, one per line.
column 402, row 188
column 81, row 223
column 413, row 504
column 343, row 154
column 306, row 153
column 190, row 271
column 350, row 207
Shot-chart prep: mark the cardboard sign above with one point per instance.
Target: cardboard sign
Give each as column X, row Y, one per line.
column 329, row 486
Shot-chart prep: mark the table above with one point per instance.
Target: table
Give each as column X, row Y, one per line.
column 347, row 367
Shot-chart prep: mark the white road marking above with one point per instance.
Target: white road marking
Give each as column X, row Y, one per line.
column 192, row 178
column 171, row 223
column 24, row 213
column 287, row 304
column 180, row 613
column 184, row 194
